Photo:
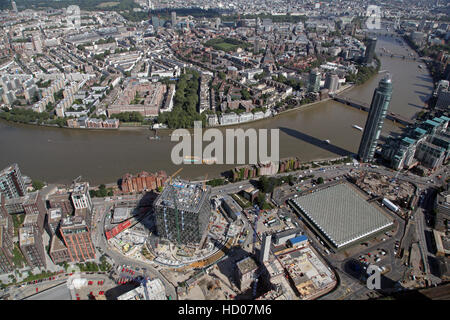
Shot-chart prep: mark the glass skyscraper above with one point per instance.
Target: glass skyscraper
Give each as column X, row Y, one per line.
column 374, row 124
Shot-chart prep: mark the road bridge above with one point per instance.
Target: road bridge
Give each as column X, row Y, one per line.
column 365, row 106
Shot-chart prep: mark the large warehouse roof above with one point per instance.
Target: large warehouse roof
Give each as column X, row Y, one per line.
column 341, row 214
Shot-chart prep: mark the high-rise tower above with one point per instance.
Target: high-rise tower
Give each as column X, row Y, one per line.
column 11, row 182
column 370, row 50
column 374, row 124
column 314, row 81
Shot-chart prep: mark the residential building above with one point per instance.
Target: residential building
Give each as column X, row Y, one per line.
column 11, row 182
column 77, row 238
column 59, row 253
column 378, row 110
column 314, row 80
column 32, row 246
column 80, row 196
column 61, row 201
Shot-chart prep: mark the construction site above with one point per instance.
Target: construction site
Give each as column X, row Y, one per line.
column 182, row 212
column 307, row 273
column 379, row 187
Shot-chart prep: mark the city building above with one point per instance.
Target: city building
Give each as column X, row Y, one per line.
column 54, row 217
column 143, row 181
column 80, row 196
column 32, row 246
column 332, row 82
column 443, row 99
column 145, row 98
column 6, row 242
column 77, row 238
column 6, row 254
column 442, row 207
column 265, row 248
column 59, row 253
column 430, row 155
column 370, row 50
column 30, row 204
column 61, row 201
column 11, row 182
column 378, row 110
column 246, row 270
column 183, row 211
column 310, row 276
column 148, row 290
column 280, row 238
column 341, row 216
column 231, row 207
column 35, row 210
column 174, row 18
column 314, row 80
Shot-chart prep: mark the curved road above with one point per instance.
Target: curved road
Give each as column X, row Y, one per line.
column 119, row 259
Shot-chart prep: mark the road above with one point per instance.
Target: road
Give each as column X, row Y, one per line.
column 421, row 228
column 352, row 291
column 338, row 170
column 119, row 259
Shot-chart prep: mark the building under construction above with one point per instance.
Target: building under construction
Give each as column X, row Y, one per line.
column 182, row 211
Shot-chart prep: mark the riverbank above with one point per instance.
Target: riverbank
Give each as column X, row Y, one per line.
column 167, row 130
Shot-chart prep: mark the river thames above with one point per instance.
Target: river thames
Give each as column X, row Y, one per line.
column 58, row 155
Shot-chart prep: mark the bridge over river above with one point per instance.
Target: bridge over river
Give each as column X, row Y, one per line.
column 365, row 106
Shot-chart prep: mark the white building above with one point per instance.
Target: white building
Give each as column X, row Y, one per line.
column 80, row 196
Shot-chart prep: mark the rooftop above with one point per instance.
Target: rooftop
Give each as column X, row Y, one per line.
column 80, row 188
column 54, row 214
column 26, row 236
column 246, row 265
column 56, row 244
column 9, row 168
column 342, row 214
column 121, row 213
column 189, row 196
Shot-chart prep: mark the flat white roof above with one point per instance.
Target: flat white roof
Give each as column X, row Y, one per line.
column 341, row 214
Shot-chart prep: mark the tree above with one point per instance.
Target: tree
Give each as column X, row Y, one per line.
column 261, row 200
column 320, row 180
column 222, row 75
column 37, row 185
column 245, row 94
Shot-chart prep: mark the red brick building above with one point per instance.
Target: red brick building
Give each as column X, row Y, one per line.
column 77, row 238
column 143, row 181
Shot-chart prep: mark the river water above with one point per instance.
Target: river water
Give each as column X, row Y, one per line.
column 59, row 155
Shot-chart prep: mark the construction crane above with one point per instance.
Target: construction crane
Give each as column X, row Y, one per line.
column 76, row 179
column 204, row 182
column 174, row 174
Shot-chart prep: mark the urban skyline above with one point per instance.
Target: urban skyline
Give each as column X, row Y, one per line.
column 354, row 206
